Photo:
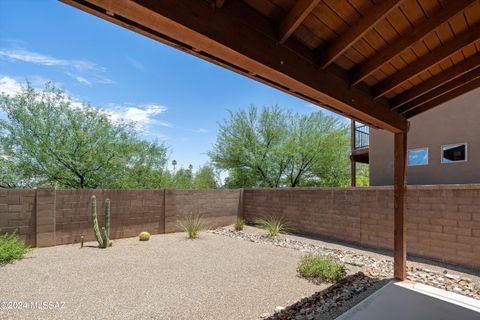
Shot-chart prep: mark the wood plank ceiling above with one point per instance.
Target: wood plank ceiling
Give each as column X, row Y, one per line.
column 402, row 49
column 377, row 61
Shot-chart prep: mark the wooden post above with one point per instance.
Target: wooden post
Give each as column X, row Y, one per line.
column 353, row 165
column 400, row 242
column 353, row 170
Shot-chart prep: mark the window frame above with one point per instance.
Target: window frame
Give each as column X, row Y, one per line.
column 450, row 145
column 422, row 164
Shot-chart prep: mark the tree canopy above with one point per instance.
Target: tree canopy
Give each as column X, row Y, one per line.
column 274, row 148
column 48, row 140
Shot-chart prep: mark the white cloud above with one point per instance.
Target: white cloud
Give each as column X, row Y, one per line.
column 145, row 117
column 38, row 58
column 142, row 115
column 165, row 124
column 80, row 79
column 9, row 86
column 102, row 79
column 137, row 64
column 91, row 72
column 31, row 57
column 200, row 130
column 83, row 80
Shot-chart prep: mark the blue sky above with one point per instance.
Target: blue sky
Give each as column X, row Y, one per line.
column 172, row 96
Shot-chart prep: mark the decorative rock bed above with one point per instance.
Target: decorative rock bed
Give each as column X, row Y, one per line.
column 325, row 303
column 373, row 268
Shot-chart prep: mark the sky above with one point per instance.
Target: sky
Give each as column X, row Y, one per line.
column 172, row 97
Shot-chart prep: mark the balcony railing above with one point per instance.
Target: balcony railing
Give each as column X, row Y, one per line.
column 361, row 136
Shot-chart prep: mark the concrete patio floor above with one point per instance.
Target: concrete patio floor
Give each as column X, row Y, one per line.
column 413, row 301
column 168, row 277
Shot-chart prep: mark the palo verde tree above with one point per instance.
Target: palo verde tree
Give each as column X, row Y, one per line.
column 48, row 140
column 205, row 178
column 273, row 148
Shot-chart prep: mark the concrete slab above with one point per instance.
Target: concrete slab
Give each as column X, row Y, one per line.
column 413, row 301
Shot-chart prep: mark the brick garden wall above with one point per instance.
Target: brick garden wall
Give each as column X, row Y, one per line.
column 48, row 217
column 220, row 207
column 131, row 212
column 17, row 213
column 443, row 222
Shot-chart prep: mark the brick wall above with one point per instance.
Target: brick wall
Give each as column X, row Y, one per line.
column 17, row 212
column 131, row 212
column 219, row 207
column 48, row 217
column 443, row 222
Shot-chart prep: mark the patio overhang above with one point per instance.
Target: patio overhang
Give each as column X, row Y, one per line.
column 379, row 64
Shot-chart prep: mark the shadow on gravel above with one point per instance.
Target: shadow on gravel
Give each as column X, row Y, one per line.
column 332, row 301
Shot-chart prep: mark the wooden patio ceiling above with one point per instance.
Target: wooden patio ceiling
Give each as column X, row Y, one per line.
column 377, row 61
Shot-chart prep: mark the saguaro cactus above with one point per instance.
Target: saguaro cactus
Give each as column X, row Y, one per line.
column 103, row 238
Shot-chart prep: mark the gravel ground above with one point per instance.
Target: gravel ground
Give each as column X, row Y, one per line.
column 373, row 264
column 168, row 277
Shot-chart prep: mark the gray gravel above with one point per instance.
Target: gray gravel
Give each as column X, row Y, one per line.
column 374, row 265
column 168, row 277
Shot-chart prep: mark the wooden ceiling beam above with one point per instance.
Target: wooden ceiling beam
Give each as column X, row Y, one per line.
column 445, row 88
column 469, row 86
column 241, row 39
column 295, row 17
column 357, row 31
column 219, row 3
column 430, row 59
column 436, row 81
column 450, row 9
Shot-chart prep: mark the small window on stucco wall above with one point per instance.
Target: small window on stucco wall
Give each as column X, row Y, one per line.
column 454, row 153
column 418, row 157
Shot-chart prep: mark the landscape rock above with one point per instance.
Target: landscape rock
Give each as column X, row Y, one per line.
column 373, row 267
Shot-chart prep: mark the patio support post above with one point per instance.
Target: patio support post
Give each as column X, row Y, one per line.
column 400, row 242
column 353, row 165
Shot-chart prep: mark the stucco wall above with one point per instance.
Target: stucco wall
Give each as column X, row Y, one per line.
column 457, row 121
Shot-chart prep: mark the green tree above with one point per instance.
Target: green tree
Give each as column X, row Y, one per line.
column 254, row 141
column 363, row 179
column 10, row 176
column 333, row 166
column 205, row 178
column 50, row 141
column 183, row 179
column 241, row 178
column 275, row 148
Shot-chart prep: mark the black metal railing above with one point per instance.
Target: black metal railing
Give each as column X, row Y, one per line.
column 361, row 136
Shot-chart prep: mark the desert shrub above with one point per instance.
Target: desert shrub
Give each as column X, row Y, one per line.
column 321, row 268
column 11, row 248
column 273, row 226
column 239, row 224
column 192, row 224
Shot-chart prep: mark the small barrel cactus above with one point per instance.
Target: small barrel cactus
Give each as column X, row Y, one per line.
column 103, row 236
column 144, row 236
